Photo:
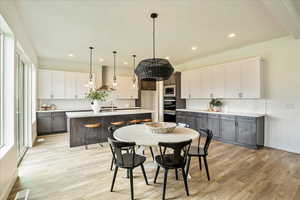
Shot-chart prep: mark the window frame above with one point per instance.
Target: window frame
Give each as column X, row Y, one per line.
column 2, row 135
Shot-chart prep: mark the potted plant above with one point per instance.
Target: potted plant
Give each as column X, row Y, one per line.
column 215, row 105
column 96, row 96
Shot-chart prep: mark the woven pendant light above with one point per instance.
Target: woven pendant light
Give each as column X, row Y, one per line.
column 154, row 69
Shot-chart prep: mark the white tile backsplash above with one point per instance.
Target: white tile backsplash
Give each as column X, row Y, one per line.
column 231, row 105
column 65, row 104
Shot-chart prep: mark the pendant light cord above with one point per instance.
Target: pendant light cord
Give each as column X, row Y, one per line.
column 114, row 52
column 154, row 38
column 91, row 60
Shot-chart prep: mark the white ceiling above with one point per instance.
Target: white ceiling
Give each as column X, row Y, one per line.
column 60, row 27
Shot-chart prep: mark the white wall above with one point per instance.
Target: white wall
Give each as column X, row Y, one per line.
column 8, row 155
column 281, row 88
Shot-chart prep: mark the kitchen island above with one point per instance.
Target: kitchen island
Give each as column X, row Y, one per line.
column 77, row 120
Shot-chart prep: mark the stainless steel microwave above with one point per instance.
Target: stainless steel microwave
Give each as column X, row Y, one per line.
column 170, row 91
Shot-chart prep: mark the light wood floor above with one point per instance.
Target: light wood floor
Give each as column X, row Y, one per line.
column 53, row 171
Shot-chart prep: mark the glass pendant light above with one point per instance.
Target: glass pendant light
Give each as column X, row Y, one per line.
column 114, row 75
column 154, row 69
column 91, row 82
column 133, row 77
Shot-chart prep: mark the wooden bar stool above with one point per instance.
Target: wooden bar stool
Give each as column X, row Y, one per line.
column 89, row 128
column 146, row 120
column 135, row 121
column 118, row 123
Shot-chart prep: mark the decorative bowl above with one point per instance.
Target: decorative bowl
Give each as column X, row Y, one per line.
column 161, row 127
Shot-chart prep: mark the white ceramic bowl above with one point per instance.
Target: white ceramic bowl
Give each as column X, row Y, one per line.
column 161, row 127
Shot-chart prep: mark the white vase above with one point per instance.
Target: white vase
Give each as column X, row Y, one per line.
column 217, row 108
column 96, row 106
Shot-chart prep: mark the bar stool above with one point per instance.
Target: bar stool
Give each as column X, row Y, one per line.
column 89, row 128
column 146, row 120
column 118, row 123
column 135, row 121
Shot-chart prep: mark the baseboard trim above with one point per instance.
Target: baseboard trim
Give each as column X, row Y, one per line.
column 10, row 186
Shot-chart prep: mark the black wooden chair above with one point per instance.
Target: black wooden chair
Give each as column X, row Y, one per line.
column 111, row 131
column 125, row 157
column 174, row 160
column 201, row 152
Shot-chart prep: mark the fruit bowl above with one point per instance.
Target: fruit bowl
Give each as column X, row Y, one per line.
column 161, row 127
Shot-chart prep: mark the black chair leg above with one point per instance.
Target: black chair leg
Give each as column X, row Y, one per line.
column 152, row 154
column 144, row 173
column 188, row 165
column 200, row 165
column 131, row 184
column 114, row 179
column 165, row 183
column 206, row 167
column 127, row 174
column 185, row 182
column 112, row 163
column 176, row 174
column 156, row 174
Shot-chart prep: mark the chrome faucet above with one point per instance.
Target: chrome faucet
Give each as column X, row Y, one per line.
column 112, row 105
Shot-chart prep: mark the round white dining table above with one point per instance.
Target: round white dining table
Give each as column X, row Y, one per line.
column 143, row 136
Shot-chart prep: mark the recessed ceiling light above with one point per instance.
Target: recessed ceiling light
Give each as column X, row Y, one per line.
column 71, row 55
column 231, row 35
column 167, row 57
column 125, row 63
column 101, row 59
column 194, row 48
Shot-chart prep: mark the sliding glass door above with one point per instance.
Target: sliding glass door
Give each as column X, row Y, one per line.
column 21, row 133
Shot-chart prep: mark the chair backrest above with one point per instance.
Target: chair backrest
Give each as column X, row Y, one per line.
column 209, row 135
column 120, row 148
column 183, row 125
column 180, row 151
column 112, row 129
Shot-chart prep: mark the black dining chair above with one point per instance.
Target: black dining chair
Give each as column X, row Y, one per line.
column 111, row 131
column 172, row 156
column 126, row 159
column 201, row 152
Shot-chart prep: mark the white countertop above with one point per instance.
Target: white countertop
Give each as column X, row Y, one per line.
column 107, row 113
column 70, row 110
column 223, row 113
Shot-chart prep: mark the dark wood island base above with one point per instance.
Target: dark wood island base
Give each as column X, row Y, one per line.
column 97, row 135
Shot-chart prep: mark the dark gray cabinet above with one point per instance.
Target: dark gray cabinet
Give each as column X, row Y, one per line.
column 246, row 129
column 228, row 126
column 213, row 123
column 201, row 120
column 240, row 130
column 51, row 122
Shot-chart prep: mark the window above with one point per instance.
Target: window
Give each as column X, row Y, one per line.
column 1, row 89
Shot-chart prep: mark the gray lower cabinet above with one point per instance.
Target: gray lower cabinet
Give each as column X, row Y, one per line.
column 240, row 130
column 228, row 128
column 246, row 130
column 51, row 122
column 213, row 123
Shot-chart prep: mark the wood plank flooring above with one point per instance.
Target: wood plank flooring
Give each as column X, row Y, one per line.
column 53, row 171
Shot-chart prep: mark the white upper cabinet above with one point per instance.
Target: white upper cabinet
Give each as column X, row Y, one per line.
column 218, row 81
column 205, row 86
column 58, row 84
column 125, row 89
column 241, row 79
column 82, row 85
column 232, row 80
column 70, row 85
column 44, row 84
column 251, row 78
column 185, row 85
column 62, row 85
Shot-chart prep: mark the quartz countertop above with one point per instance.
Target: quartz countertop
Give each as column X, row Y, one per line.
column 107, row 113
column 223, row 113
column 88, row 109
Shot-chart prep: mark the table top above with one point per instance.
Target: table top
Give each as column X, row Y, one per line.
column 142, row 135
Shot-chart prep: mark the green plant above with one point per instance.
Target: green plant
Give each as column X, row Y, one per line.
column 215, row 102
column 98, row 95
